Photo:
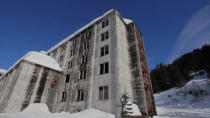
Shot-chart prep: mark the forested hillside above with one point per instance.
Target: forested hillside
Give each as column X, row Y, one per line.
column 176, row 74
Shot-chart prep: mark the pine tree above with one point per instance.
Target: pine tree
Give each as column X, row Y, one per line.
column 126, row 101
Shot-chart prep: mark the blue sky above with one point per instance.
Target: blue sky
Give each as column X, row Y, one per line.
column 170, row 27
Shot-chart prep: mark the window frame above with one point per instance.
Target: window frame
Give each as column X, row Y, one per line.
column 67, row 78
column 104, row 50
column 70, row 65
column 103, row 92
column 105, row 23
column 104, row 36
column 63, row 99
column 80, row 95
column 82, row 74
column 104, row 68
column 71, row 53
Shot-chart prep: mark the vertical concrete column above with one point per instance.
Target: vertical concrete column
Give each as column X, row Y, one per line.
column 90, row 89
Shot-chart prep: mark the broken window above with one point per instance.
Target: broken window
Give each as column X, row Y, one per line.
column 74, row 42
column 67, row 78
column 71, row 53
column 62, row 48
column 103, row 93
column 105, row 23
column 104, row 68
column 83, row 59
column 63, row 99
column 106, row 90
column 54, row 53
column 61, row 58
column 104, row 36
column 80, row 95
column 105, row 50
column 82, row 74
column 85, row 46
column 70, row 64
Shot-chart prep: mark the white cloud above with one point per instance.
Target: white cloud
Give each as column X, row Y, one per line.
column 195, row 34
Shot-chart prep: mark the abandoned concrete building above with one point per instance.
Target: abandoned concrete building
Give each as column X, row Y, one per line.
column 91, row 68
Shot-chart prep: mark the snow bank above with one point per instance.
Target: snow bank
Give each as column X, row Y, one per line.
column 41, row 111
column 190, row 101
column 195, row 94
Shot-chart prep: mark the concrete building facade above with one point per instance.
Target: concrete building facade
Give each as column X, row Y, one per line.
column 99, row 62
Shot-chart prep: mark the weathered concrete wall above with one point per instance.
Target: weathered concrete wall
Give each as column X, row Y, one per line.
column 22, row 84
column 104, row 79
column 119, row 78
column 18, row 94
column 123, row 61
column 7, row 87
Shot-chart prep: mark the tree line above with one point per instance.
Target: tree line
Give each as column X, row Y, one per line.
column 176, row 74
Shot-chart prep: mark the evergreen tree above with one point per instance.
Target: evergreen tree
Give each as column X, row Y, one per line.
column 176, row 74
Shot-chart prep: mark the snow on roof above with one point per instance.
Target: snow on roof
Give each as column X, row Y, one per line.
column 127, row 21
column 3, row 71
column 80, row 30
column 38, row 58
column 42, row 59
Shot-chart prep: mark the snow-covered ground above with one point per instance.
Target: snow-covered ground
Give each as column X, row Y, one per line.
column 41, row 111
column 190, row 101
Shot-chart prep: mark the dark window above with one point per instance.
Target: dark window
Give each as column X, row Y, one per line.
column 100, row 93
column 82, row 74
column 54, row 53
column 62, row 48
column 104, row 68
column 80, row 95
column 69, row 65
column 105, row 50
column 105, row 23
column 106, row 92
column 101, row 69
column 103, row 93
column 61, row 58
column 67, row 78
column 63, row 96
column 85, row 46
column 102, row 51
column 107, row 67
column 74, row 42
column 104, row 36
column 83, row 59
column 72, row 53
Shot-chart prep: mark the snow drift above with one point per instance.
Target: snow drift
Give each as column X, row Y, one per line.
column 191, row 101
column 41, row 111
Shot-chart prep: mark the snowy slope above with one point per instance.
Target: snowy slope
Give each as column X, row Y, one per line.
column 190, row 101
column 41, row 111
